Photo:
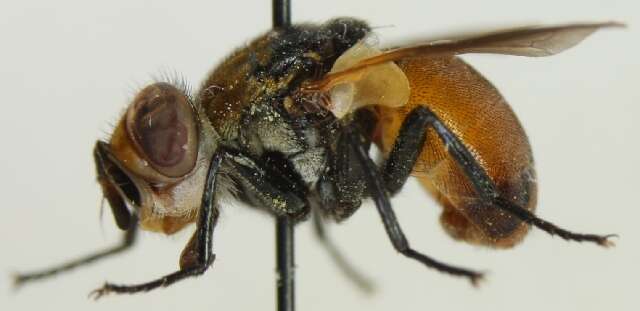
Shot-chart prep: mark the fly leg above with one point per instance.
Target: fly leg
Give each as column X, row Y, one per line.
column 355, row 276
column 409, row 144
column 380, row 195
column 198, row 256
column 127, row 241
column 270, row 183
column 124, row 219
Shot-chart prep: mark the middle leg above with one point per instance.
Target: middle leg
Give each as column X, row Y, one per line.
column 355, row 276
column 378, row 191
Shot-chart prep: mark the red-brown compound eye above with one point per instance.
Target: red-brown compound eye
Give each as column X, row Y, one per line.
column 162, row 124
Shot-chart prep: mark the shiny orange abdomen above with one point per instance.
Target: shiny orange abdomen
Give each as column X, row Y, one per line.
column 476, row 112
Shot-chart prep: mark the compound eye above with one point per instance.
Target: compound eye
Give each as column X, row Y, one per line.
column 162, row 124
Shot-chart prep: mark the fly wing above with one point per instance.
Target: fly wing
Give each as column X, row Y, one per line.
column 526, row 41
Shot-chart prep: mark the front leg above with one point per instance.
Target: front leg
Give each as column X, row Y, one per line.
column 128, row 239
column 261, row 180
column 269, row 182
column 198, row 255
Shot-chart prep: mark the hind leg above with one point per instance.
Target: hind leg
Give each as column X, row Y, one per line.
column 408, row 146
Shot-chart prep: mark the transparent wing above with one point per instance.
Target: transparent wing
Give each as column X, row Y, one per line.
column 526, row 41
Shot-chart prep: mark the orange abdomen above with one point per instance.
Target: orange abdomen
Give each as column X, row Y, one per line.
column 476, row 112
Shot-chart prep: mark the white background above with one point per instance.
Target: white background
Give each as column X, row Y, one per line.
column 68, row 69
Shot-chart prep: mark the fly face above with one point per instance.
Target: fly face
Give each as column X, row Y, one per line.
column 152, row 165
